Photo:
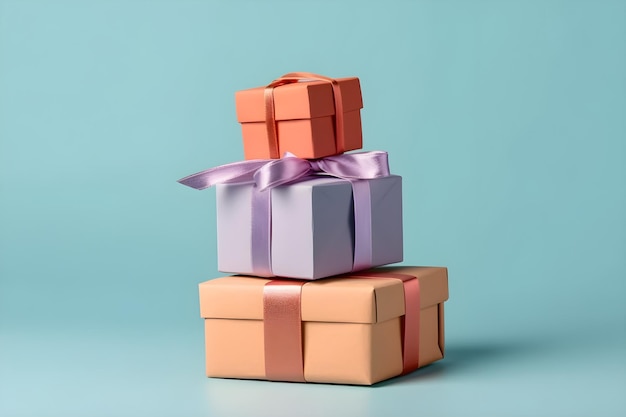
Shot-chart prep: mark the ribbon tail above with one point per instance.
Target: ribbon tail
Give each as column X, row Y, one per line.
column 236, row 172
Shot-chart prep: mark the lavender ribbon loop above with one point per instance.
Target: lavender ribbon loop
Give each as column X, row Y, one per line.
column 363, row 165
column 234, row 173
column 269, row 173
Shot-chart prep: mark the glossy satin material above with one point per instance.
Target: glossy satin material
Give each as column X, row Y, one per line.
column 260, row 234
column 361, row 165
column 269, row 173
column 294, row 77
column 282, row 329
column 361, row 193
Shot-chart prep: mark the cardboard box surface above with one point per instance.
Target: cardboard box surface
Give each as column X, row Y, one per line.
column 351, row 326
column 304, row 114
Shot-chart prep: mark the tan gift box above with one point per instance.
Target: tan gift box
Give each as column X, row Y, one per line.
column 351, row 327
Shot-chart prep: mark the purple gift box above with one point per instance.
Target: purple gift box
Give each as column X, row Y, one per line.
column 313, row 232
column 306, row 219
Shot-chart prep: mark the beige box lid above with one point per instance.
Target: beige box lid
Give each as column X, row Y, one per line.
column 342, row 300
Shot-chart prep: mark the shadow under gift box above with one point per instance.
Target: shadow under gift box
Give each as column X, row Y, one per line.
column 312, row 227
column 351, row 327
column 305, row 119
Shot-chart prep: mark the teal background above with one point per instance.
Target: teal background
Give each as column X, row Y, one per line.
column 507, row 120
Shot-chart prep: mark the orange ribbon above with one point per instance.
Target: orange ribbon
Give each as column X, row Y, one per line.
column 270, row 115
column 282, row 326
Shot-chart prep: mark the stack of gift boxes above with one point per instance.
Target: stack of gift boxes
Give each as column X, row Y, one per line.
column 307, row 227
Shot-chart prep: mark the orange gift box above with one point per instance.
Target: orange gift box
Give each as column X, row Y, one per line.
column 349, row 329
column 309, row 115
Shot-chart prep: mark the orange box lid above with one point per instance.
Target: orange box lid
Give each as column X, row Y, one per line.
column 300, row 100
column 343, row 300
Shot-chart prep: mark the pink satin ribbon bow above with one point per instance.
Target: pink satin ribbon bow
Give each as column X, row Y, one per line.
column 268, row 173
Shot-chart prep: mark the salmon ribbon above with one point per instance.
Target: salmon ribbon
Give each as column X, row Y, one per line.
column 270, row 115
column 282, row 326
column 268, row 173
